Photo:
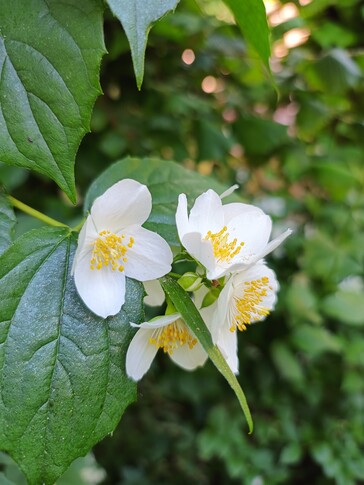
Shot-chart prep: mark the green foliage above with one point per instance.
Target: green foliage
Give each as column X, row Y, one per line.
column 137, row 18
column 49, row 83
column 251, row 17
column 62, row 381
column 7, row 223
column 298, row 157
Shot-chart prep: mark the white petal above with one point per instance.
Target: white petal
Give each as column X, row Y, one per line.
column 140, row 354
column 274, row 244
column 237, row 209
column 206, row 214
column 229, row 191
column 86, row 238
column 125, row 203
column 200, row 249
column 228, row 345
column 150, row 257
column 182, row 216
column 155, row 294
column 221, row 315
column 159, row 322
column 188, row 358
column 103, row 291
column 253, row 228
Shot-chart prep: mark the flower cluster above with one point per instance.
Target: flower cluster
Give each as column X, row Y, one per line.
column 233, row 288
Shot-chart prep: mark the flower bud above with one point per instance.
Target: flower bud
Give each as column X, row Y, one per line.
column 190, row 281
column 211, row 297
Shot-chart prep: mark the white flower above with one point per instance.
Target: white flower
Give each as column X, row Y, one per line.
column 154, row 293
column 247, row 297
column 224, row 238
column 169, row 333
column 112, row 244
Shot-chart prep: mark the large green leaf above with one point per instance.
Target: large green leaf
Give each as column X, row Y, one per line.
column 192, row 317
column 7, row 223
column 251, row 17
column 50, row 53
column 137, row 18
column 165, row 180
column 62, row 379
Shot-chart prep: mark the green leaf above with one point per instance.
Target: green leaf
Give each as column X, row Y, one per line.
column 315, row 340
column 192, row 317
column 346, row 306
column 165, row 180
column 137, row 18
column 62, row 378
column 7, row 223
column 261, row 137
column 50, row 55
column 251, row 17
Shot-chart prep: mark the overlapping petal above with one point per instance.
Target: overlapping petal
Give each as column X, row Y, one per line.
column 247, row 297
column 144, row 346
column 112, row 245
column 224, row 238
column 125, row 203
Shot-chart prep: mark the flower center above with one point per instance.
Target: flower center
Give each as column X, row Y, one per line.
column 248, row 308
column 223, row 249
column 110, row 250
column 170, row 337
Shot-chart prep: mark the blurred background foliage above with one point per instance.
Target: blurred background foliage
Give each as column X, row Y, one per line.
column 296, row 149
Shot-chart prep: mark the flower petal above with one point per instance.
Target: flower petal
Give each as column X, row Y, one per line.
column 227, row 342
column 229, row 191
column 103, row 291
column 182, row 216
column 253, row 228
column 155, row 295
column 274, row 244
column 125, row 203
column 200, row 249
column 86, row 239
column 220, row 317
column 150, row 257
column 140, row 354
column 206, row 214
column 237, row 209
column 188, row 358
column 159, row 322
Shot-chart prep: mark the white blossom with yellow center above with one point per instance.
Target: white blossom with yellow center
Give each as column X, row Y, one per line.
column 248, row 297
column 224, row 238
column 112, row 245
column 169, row 333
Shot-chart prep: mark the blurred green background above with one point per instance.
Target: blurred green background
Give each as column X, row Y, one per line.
column 297, row 151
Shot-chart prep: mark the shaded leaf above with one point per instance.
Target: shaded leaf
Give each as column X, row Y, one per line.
column 49, row 83
column 62, row 380
column 346, row 306
column 137, row 18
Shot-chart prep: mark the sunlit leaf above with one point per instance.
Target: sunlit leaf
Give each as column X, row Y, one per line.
column 50, row 55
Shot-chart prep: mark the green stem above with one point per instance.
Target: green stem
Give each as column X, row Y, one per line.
column 34, row 213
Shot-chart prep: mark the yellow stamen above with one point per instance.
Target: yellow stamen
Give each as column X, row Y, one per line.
column 248, row 307
column 172, row 336
column 110, row 250
column 223, row 249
